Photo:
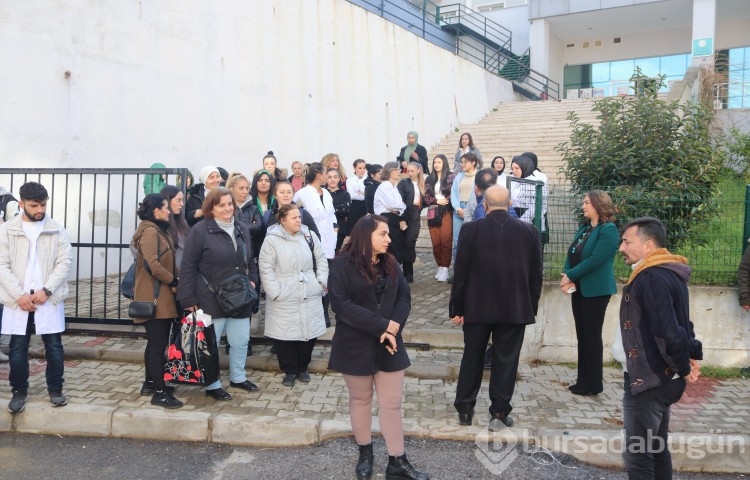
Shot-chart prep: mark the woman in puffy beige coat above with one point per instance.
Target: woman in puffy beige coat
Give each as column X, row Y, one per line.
column 294, row 273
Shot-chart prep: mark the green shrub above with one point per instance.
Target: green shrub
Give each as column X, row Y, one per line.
column 653, row 158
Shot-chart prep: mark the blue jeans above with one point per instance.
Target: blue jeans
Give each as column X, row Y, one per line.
column 646, row 420
column 18, row 354
column 238, row 334
column 457, row 222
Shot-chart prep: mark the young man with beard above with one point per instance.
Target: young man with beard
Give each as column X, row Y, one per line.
column 661, row 350
column 35, row 259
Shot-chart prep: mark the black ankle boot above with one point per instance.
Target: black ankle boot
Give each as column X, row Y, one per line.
column 400, row 468
column 364, row 464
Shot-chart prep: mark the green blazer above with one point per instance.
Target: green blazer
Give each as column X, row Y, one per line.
column 596, row 272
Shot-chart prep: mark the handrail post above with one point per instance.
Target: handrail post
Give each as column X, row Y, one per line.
column 746, row 228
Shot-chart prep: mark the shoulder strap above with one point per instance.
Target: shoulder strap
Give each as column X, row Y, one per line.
column 311, row 244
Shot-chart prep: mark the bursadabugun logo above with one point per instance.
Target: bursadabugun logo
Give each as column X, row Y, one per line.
column 497, row 450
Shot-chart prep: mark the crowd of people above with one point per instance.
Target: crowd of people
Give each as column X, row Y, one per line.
column 319, row 240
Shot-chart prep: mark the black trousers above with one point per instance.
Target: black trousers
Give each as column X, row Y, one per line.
column 396, row 247
column 506, row 350
column 588, row 313
column 157, row 338
column 294, row 356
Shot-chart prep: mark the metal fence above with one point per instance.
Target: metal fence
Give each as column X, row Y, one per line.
column 98, row 209
column 713, row 248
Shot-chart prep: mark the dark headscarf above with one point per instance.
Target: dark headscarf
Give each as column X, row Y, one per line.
column 526, row 164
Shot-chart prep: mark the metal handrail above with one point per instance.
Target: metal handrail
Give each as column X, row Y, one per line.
column 491, row 49
column 458, row 14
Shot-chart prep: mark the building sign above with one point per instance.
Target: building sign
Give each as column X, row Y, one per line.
column 703, row 47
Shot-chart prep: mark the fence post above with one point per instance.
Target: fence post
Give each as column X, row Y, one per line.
column 746, row 228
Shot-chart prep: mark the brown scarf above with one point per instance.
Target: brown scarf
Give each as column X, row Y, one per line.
column 660, row 256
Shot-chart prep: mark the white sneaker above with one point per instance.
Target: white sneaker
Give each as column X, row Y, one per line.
column 3, row 357
column 443, row 275
column 437, row 273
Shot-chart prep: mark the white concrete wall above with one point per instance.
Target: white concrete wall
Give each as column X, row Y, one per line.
column 190, row 83
column 720, row 324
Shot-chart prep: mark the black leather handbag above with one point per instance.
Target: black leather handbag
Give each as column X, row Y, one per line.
column 234, row 294
column 146, row 310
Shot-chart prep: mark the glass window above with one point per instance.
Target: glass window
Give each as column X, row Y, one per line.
column 649, row 66
column 674, row 65
column 621, row 70
column 600, row 72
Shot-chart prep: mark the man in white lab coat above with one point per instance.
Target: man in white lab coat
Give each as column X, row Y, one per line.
column 35, row 259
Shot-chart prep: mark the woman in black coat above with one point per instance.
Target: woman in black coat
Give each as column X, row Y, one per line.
column 412, row 193
column 372, row 303
column 413, row 152
column 215, row 250
column 342, row 202
column 371, row 185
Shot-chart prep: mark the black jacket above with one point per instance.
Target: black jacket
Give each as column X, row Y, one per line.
column 209, row 251
column 421, row 155
column 371, row 186
column 356, row 347
column 194, row 202
column 657, row 333
column 406, row 188
column 250, row 215
column 342, row 201
column 498, row 271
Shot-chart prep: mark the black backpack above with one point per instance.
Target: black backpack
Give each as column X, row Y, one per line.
column 4, row 201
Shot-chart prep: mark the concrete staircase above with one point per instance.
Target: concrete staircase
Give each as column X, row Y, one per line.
column 513, row 128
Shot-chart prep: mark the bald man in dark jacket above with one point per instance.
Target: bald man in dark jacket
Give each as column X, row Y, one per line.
column 498, row 258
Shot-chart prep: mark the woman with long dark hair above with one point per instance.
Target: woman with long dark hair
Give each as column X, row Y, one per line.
column 156, row 272
column 498, row 163
column 437, row 198
column 178, row 227
column 371, row 298
column 590, row 279
column 261, row 191
column 217, row 249
column 466, row 145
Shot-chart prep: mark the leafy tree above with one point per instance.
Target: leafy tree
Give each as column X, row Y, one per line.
column 653, row 158
column 738, row 147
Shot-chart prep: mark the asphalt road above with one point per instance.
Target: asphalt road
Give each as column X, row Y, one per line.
column 54, row 457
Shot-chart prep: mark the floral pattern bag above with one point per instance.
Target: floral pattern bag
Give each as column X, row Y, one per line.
column 192, row 355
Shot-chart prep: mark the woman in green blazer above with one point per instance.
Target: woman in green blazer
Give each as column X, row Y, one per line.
column 590, row 279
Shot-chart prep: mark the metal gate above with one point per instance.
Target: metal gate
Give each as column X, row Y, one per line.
column 98, row 208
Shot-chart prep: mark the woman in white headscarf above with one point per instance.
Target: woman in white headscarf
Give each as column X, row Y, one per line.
column 208, row 179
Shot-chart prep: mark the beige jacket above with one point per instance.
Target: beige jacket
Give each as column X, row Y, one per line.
column 53, row 250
